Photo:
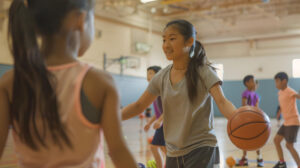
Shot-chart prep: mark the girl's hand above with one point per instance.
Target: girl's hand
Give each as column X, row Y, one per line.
column 157, row 125
column 147, row 127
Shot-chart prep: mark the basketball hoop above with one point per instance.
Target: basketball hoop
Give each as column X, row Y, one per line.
column 125, row 62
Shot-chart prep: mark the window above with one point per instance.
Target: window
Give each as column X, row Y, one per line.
column 220, row 70
column 296, row 68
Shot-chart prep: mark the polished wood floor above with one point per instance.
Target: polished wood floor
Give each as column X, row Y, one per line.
column 137, row 142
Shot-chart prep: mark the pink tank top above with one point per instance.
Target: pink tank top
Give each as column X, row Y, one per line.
column 85, row 136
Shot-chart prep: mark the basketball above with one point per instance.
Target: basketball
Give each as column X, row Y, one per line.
column 249, row 128
column 230, row 161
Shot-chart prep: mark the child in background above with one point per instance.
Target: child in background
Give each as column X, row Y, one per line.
column 148, row 114
column 157, row 147
column 250, row 98
column 287, row 100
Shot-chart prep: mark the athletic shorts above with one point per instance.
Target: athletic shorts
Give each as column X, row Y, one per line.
column 289, row 133
column 203, row 157
column 158, row 139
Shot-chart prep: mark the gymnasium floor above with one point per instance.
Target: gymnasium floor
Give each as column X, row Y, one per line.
column 138, row 144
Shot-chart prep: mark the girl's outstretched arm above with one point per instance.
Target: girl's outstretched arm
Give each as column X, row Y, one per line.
column 139, row 106
column 224, row 105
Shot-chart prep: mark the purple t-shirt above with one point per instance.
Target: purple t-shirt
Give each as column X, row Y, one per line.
column 251, row 96
column 157, row 107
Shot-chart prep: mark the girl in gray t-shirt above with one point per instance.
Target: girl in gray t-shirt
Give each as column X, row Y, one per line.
column 187, row 89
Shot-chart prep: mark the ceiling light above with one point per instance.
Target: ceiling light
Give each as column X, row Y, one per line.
column 165, row 10
column 146, row 1
column 153, row 10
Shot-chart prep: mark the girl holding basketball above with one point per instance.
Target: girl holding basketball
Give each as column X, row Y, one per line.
column 58, row 106
column 187, row 89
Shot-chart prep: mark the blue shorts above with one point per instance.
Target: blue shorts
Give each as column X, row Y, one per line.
column 158, row 139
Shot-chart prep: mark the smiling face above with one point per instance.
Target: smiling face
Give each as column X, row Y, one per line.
column 174, row 44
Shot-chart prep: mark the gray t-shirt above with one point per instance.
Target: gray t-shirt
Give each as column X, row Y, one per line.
column 187, row 125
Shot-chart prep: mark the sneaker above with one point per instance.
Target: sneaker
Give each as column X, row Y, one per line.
column 280, row 165
column 242, row 162
column 260, row 163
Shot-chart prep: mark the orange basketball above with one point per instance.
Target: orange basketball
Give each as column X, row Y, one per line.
column 230, row 161
column 249, row 128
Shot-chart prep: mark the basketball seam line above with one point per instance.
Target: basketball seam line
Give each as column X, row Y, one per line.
column 251, row 137
column 248, row 111
column 247, row 124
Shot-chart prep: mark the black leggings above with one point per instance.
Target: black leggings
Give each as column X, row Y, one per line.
column 204, row 157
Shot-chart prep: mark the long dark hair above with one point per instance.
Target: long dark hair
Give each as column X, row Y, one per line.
column 197, row 54
column 34, row 87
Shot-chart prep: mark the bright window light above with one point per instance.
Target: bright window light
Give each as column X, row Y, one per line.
column 220, row 70
column 146, row 1
column 296, row 68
